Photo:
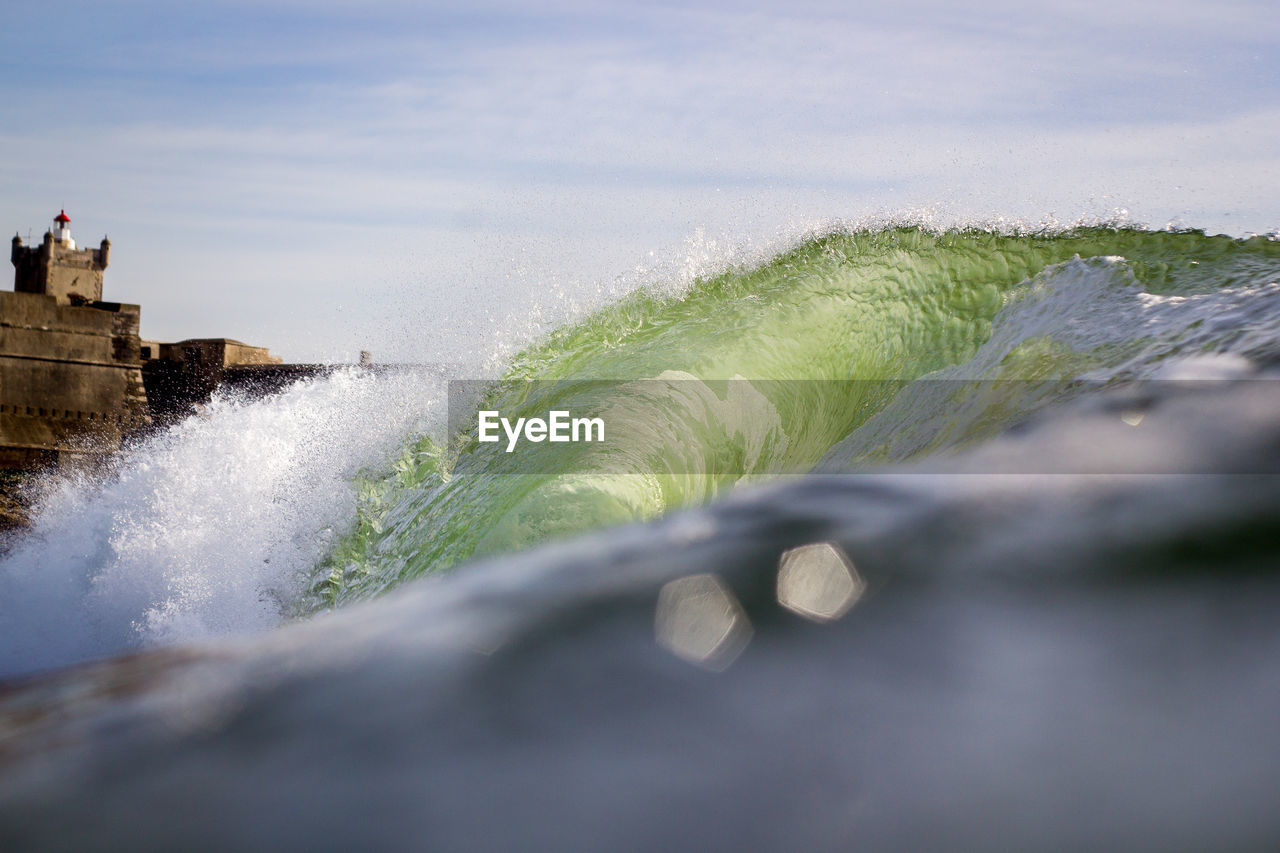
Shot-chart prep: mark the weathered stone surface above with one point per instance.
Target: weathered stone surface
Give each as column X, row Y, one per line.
column 58, row 269
column 183, row 375
column 70, row 365
column 70, row 378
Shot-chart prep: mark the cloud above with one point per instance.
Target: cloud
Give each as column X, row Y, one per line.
column 289, row 149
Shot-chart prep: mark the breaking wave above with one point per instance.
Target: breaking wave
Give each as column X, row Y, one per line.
column 850, row 350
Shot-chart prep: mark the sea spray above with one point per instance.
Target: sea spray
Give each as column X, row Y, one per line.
column 345, row 487
column 207, row 529
column 826, row 335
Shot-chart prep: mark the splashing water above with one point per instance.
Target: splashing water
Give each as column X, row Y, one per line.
column 868, row 342
column 343, row 487
column 208, row 529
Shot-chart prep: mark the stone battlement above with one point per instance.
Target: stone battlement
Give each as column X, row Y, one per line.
column 57, row 268
column 75, row 377
column 70, row 378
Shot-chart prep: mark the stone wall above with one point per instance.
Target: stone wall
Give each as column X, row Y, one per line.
column 56, row 269
column 70, row 377
column 210, row 353
column 181, row 376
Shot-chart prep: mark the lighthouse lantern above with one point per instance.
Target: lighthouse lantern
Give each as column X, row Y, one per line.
column 62, row 229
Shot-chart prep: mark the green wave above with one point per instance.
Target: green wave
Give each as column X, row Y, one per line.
column 761, row 372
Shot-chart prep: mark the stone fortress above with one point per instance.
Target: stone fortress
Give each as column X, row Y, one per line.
column 75, row 377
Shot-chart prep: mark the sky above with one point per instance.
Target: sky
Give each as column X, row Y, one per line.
column 425, row 180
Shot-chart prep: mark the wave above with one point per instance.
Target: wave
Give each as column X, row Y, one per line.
column 925, row 646
column 849, row 350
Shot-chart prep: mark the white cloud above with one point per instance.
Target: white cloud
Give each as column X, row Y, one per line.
column 298, row 170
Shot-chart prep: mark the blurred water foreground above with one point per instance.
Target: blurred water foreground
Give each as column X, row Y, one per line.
column 971, row 657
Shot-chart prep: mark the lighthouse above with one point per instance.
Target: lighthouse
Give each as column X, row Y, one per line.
column 62, row 230
column 57, row 268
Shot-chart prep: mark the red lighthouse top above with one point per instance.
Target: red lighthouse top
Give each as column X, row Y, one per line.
column 62, row 217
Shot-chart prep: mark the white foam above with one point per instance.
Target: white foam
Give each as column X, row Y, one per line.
column 208, row 529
